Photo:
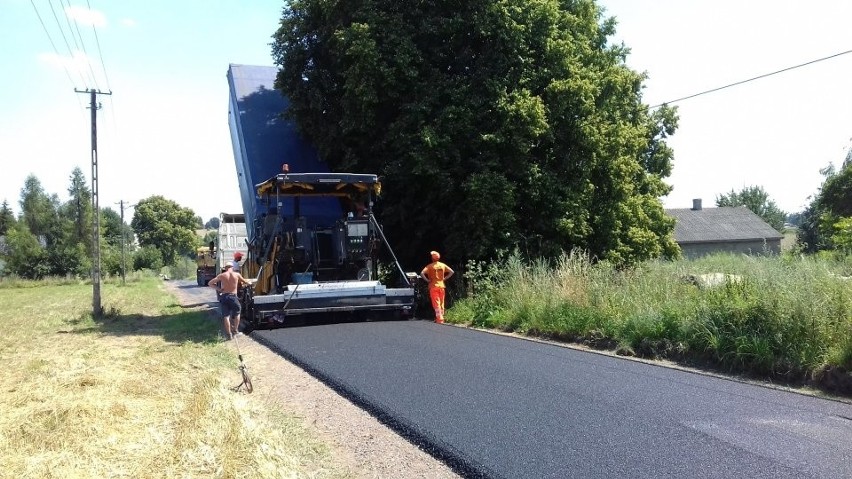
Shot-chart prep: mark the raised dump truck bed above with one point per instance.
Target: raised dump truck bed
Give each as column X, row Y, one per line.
column 313, row 242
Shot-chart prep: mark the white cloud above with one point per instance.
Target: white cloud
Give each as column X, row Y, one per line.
column 128, row 22
column 86, row 16
column 77, row 64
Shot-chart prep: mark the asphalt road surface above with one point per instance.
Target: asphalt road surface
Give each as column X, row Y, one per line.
column 496, row 406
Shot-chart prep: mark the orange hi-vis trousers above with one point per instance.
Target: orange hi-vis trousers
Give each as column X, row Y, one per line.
column 436, row 294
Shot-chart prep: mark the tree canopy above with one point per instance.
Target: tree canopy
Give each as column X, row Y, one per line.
column 39, row 211
column 113, row 229
column 824, row 222
column 79, row 209
column 166, row 226
column 7, row 218
column 494, row 124
column 212, row 224
column 756, row 199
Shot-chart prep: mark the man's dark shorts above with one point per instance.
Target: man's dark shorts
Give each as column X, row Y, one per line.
column 229, row 304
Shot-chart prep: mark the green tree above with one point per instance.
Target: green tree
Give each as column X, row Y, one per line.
column 835, row 207
column 148, row 257
column 26, row 257
column 842, row 237
column 166, row 226
column 68, row 258
column 111, row 259
column 78, row 210
column 491, row 122
column 809, row 237
column 208, row 237
column 7, row 218
column 113, row 229
column 821, row 221
column 757, row 200
column 836, row 192
column 39, row 212
column 212, row 224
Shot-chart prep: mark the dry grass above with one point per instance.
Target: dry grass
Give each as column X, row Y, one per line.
column 144, row 392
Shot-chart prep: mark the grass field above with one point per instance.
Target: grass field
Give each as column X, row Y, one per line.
column 142, row 392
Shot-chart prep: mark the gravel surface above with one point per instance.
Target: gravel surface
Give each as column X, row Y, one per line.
column 361, row 444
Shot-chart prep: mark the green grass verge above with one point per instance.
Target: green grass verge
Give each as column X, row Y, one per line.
column 788, row 318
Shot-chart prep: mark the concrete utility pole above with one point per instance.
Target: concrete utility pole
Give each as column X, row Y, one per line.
column 97, row 310
column 123, row 242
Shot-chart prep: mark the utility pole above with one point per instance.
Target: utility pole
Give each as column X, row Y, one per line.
column 97, row 309
column 123, row 242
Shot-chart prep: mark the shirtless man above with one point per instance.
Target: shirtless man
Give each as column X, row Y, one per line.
column 226, row 285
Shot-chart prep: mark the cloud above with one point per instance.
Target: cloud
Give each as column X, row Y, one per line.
column 86, row 16
column 128, row 22
column 76, row 64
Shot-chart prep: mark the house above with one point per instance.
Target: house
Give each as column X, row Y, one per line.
column 699, row 231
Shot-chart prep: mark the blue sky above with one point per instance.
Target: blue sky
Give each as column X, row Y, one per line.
column 164, row 130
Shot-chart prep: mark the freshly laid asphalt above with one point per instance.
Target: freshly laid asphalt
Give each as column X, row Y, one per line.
column 497, row 406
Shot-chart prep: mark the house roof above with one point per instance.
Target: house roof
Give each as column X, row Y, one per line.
column 710, row 225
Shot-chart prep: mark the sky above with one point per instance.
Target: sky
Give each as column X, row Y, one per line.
column 164, row 129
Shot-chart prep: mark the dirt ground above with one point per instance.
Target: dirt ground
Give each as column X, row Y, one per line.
column 361, row 444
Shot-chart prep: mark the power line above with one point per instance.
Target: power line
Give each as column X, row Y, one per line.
column 55, row 50
column 70, row 28
column 82, row 45
column 64, row 38
column 100, row 53
column 754, row 78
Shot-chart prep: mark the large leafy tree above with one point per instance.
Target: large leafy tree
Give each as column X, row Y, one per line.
column 756, row 199
column 836, row 192
column 25, row 257
column 212, row 224
column 40, row 212
column 53, row 226
column 113, row 229
column 163, row 224
column 824, row 224
column 491, row 121
column 834, row 206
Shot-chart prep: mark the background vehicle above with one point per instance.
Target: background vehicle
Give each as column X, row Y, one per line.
column 205, row 261
column 313, row 242
column 231, row 238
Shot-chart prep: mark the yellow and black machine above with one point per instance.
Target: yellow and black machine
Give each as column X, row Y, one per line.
column 205, row 261
column 315, row 249
column 313, row 243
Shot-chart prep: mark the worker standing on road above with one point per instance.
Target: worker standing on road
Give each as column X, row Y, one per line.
column 226, row 285
column 435, row 273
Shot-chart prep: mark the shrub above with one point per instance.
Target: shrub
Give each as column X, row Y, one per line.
column 147, row 257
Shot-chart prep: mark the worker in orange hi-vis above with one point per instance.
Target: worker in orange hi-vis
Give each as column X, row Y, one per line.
column 435, row 273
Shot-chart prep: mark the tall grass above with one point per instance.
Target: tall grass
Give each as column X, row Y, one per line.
column 141, row 392
column 782, row 317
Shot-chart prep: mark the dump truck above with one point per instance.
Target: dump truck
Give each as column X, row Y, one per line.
column 231, row 238
column 205, row 264
column 314, row 244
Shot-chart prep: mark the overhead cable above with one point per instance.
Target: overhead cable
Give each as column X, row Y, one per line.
column 82, row 45
column 100, row 54
column 55, row 50
column 754, row 78
column 64, row 38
